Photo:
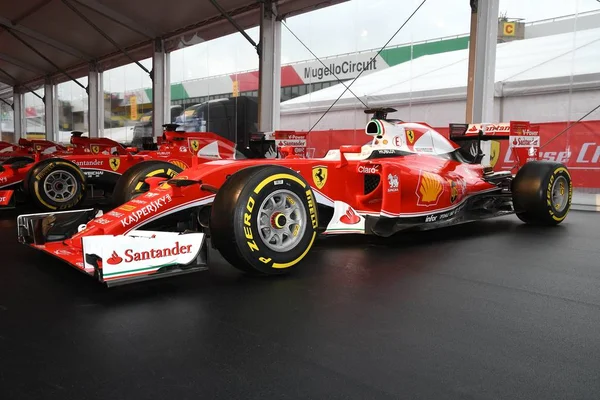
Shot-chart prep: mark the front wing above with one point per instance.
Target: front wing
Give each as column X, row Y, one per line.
column 114, row 259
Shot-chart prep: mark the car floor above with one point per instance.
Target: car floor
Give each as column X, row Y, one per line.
column 488, row 310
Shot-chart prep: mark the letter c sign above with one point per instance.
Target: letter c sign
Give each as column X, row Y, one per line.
column 509, row 29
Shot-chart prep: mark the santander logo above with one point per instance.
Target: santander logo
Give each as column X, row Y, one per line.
column 114, row 259
column 133, row 256
column 350, row 218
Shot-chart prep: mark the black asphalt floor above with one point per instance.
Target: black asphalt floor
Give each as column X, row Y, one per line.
column 489, row 310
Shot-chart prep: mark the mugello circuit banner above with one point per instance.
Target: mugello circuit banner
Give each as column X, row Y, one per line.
column 578, row 148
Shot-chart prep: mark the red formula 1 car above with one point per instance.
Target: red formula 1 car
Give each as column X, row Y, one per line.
column 263, row 216
column 26, row 149
column 100, row 167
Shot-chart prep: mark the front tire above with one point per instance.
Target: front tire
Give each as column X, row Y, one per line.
column 542, row 193
column 56, row 184
column 131, row 184
column 264, row 220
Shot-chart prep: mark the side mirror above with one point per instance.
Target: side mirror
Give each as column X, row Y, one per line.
column 287, row 152
column 348, row 149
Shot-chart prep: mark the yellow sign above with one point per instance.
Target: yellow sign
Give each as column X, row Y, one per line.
column 319, row 175
column 114, row 163
column 509, row 28
column 95, row 148
column 194, row 145
column 236, row 88
column 133, row 107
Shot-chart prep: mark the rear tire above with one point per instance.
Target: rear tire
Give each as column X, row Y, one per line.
column 131, row 184
column 264, row 220
column 542, row 193
column 56, row 184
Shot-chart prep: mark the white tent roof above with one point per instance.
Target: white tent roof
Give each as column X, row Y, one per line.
column 550, row 63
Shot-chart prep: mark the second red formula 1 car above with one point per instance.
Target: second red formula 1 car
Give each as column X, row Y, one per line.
column 264, row 216
column 101, row 168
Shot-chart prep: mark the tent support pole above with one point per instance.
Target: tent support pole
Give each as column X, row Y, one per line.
column 485, row 62
column 159, row 87
column 50, row 110
column 18, row 113
column 472, row 47
column 269, row 70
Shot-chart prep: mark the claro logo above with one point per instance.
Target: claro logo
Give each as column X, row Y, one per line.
column 363, row 169
column 132, row 255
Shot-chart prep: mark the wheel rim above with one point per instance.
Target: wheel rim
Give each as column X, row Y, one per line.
column 560, row 194
column 60, row 186
column 281, row 220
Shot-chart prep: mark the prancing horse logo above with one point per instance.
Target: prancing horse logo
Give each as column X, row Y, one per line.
column 319, row 175
column 114, row 163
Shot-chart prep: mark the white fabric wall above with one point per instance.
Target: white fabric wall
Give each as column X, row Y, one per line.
column 435, row 114
column 534, row 81
column 342, row 119
column 551, row 107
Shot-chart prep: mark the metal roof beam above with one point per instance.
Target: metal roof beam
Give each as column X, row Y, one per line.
column 25, row 86
column 104, row 35
column 6, row 102
column 45, row 39
column 10, row 82
column 236, row 25
column 21, row 64
column 119, row 18
column 49, row 61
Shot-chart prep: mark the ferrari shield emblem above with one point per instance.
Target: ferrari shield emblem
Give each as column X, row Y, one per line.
column 114, row 163
column 494, row 153
column 194, row 145
column 410, row 136
column 453, row 191
column 319, row 175
column 95, row 149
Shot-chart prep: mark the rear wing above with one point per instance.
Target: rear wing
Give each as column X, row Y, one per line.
column 501, row 131
column 280, row 144
column 523, row 138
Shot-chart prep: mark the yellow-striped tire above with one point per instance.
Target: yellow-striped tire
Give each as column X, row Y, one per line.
column 542, row 193
column 56, row 184
column 131, row 184
column 242, row 220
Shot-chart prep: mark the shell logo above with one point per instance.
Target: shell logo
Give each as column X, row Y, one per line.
column 429, row 189
column 179, row 163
